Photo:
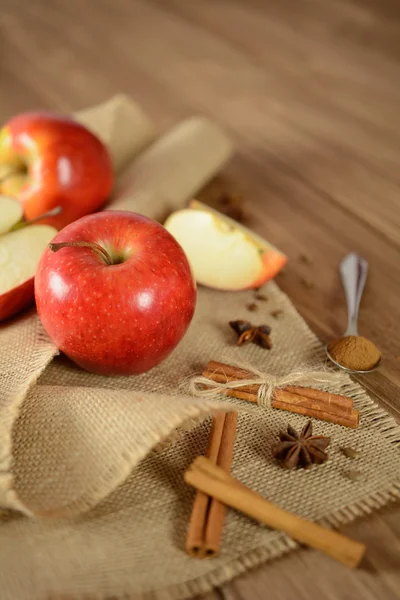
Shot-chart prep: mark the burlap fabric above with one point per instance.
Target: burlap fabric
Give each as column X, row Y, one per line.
column 96, row 464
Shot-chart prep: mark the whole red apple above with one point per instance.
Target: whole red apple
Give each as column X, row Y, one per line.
column 48, row 160
column 115, row 292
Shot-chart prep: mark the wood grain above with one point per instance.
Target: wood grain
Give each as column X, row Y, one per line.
column 309, row 90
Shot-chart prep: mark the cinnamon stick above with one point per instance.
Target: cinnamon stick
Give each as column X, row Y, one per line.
column 351, row 421
column 208, row 514
column 309, row 402
column 212, row 480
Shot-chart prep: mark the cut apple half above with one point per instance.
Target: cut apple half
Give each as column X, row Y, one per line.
column 20, row 252
column 223, row 253
column 11, row 212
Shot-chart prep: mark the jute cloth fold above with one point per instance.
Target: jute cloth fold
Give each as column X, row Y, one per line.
column 92, row 467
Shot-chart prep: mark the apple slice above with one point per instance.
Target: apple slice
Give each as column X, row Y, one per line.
column 11, row 212
column 223, row 254
column 20, row 252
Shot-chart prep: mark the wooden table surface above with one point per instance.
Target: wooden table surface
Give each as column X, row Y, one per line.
column 310, row 92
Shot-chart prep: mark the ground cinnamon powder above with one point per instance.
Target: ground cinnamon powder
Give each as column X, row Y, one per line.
column 355, row 352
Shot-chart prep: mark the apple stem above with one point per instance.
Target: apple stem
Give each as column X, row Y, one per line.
column 50, row 213
column 102, row 252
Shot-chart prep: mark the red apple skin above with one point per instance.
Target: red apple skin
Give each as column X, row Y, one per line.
column 65, row 165
column 17, row 299
column 119, row 319
column 273, row 262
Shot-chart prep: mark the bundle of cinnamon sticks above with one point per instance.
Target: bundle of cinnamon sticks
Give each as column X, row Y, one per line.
column 301, row 400
column 211, row 479
column 206, row 523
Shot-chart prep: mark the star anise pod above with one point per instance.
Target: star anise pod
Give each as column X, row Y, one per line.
column 251, row 333
column 301, row 449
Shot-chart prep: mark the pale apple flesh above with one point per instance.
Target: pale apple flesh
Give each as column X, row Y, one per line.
column 223, row 254
column 20, row 252
column 11, row 212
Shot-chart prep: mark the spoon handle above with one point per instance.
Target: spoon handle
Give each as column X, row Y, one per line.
column 353, row 273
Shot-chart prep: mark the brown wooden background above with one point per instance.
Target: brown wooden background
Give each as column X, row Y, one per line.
column 310, row 92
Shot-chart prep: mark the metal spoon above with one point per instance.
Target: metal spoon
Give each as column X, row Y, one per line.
column 353, row 273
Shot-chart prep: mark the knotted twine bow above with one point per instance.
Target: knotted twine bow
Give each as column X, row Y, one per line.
column 202, row 387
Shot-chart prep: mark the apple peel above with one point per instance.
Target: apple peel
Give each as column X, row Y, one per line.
column 223, row 254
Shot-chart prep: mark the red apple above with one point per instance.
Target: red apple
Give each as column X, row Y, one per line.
column 115, row 292
column 48, row 160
